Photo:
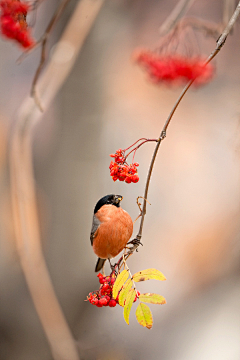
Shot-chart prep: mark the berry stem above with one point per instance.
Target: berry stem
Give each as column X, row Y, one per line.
column 134, row 144
column 138, row 146
column 134, row 155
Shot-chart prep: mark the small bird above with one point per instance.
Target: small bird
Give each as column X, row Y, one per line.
column 112, row 228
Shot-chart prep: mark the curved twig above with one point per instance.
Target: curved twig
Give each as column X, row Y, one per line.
column 220, row 42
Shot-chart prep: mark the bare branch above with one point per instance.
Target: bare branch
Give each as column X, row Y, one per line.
column 180, row 9
column 43, row 42
column 25, row 214
column 174, row 37
column 220, row 43
column 228, row 9
column 210, row 28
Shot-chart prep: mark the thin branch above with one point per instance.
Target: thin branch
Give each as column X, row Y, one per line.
column 210, row 28
column 135, row 143
column 180, row 9
column 228, row 9
column 138, row 146
column 220, row 43
column 23, row 194
column 174, row 36
column 43, row 42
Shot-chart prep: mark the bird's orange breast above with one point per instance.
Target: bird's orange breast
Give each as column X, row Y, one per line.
column 114, row 232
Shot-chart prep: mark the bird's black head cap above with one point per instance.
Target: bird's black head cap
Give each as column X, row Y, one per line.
column 108, row 200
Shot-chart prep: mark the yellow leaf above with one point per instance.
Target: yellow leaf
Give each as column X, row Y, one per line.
column 125, row 291
column 152, row 298
column 144, row 316
column 128, row 304
column 120, row 280
column 148, row 274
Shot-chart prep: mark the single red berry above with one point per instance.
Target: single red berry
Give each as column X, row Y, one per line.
column 105, row 287
column 104, row 301
column 99, row 304
column 94, row 301
column 128, row 180
column 112, row 303
column 135, row 178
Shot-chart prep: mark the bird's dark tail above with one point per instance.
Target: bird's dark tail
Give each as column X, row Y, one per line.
column 99, row 264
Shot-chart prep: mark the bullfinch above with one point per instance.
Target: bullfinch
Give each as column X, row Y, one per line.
column 112, row 227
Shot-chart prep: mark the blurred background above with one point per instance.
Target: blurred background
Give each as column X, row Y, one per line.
column 191, row 230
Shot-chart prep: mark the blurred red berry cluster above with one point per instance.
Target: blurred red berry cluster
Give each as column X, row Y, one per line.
column 174, row 68
column 13, row 22
column 120, row 170
column 103, row 296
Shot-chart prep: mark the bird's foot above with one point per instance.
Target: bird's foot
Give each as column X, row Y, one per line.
column 135, row 242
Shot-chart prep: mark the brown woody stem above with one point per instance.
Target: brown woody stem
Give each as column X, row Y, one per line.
column 23, row 194
column 220, row 42
column 43, row 42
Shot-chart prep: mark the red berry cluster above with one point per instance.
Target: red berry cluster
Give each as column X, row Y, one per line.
column 120, row 170
column 13, row 22
column 103, row 296
column 174, row 68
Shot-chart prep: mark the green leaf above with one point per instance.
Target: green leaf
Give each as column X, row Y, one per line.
column 128, row 304
column 120, row 280
column 152, row 298
column 148, row 274
column 125, row 291
column 144, row 316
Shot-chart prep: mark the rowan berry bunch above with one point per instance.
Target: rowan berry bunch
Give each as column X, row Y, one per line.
column 13, row 22
column 174, row 68
column 103, row 296
column 120, row 170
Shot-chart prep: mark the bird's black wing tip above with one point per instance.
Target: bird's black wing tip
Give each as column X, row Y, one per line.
column 99, row 264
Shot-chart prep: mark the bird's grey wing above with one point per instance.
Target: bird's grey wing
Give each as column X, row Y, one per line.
column 95, row 225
